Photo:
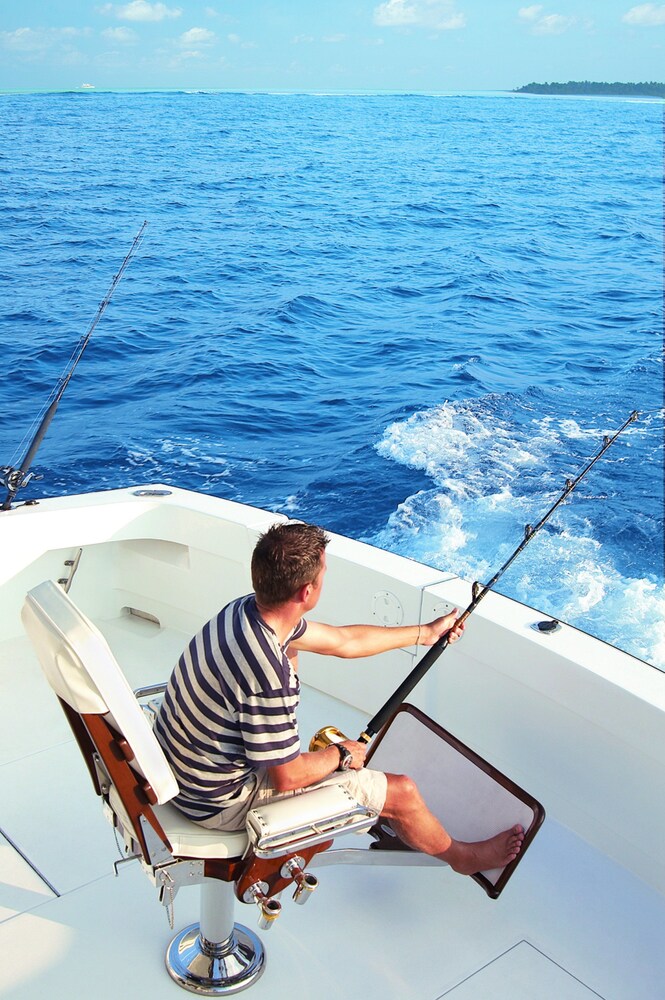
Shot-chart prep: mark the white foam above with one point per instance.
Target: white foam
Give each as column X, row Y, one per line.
column 490, row 478
column 184, row 451
column 451, row 438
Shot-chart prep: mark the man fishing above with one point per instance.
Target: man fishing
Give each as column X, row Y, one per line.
column 228, row 720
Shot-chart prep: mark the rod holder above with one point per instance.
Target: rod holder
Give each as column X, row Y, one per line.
column 305, row 882
column 305, row 886
column 269, row 909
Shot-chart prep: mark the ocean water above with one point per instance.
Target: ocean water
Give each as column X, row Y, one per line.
column 407, row 317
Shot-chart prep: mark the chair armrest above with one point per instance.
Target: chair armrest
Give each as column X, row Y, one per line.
column 149, row 690
column 304, row 820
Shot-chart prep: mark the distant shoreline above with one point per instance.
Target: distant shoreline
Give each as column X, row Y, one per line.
column 582, row 87
column 654, row 91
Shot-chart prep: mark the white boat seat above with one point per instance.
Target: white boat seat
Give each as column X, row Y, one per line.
column 136, row 783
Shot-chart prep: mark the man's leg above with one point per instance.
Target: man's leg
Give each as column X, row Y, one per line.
column 417, row 827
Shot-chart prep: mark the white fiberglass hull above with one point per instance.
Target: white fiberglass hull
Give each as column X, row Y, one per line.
column 576, row 722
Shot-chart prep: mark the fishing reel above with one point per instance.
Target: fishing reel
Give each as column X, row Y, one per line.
column 325, row 737
column 16, row 479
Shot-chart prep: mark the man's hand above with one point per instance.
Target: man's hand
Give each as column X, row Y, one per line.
column 309, row 768
column 358, row 751
column 434, row 630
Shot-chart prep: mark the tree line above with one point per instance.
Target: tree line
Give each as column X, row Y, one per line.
column 651, row 89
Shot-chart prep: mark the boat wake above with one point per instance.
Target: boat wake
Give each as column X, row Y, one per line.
column 595, row 563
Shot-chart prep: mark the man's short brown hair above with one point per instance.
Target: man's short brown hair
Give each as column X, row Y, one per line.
column 286, row 558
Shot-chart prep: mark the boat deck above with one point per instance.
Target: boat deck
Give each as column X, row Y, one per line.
column 571, row 924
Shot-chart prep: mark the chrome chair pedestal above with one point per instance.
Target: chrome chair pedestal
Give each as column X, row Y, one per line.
column 215, row 970
column 216, row 957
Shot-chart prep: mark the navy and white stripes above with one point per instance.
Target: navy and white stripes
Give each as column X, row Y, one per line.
column 229, row 709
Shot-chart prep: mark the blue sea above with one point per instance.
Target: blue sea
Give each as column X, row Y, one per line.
column 408, row 317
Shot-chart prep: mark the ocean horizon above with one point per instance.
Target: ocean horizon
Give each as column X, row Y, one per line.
column 328, row 92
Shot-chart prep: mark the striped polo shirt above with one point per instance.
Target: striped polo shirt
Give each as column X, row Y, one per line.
column 229, row 709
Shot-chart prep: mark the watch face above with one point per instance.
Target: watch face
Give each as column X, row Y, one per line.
column 345, row 758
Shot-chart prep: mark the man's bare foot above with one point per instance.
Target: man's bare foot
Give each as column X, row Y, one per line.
column 497, row 852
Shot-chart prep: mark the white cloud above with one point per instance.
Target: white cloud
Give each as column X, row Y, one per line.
column 334, row 39
column 125, row 36
column 546, row 24
column 141, row 10
column 197, row 36
column 553, row 24
column 646, row 15
column 35, row 40
column 237, row 40
column 213, row 13
column 438, row 14
column 24, row 40
column 530, row 13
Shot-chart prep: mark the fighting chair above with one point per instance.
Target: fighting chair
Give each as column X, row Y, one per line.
column 133, row 778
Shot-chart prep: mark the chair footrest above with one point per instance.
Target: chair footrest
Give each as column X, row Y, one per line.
column 306, row 819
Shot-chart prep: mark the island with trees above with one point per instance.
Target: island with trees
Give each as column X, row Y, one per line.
column 588, row 87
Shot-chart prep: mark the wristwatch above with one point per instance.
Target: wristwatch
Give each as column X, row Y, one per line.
column 345, row 758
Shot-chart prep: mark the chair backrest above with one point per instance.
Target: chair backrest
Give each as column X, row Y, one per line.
column 84, row 673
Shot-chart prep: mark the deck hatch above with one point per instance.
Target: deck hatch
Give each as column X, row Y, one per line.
column 522, row 971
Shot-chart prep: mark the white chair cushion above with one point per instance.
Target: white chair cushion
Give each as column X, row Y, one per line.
column 190, row 840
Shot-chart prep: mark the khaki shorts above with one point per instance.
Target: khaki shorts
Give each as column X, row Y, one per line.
column 368, row 787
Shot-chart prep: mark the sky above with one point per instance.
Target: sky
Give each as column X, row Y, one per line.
column 407, row 45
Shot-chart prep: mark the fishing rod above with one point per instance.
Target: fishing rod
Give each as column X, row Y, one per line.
column 330, row 734
column 14, row 479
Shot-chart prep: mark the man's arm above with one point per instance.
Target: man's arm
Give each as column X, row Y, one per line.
column 308, row 768
column 349, row 641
